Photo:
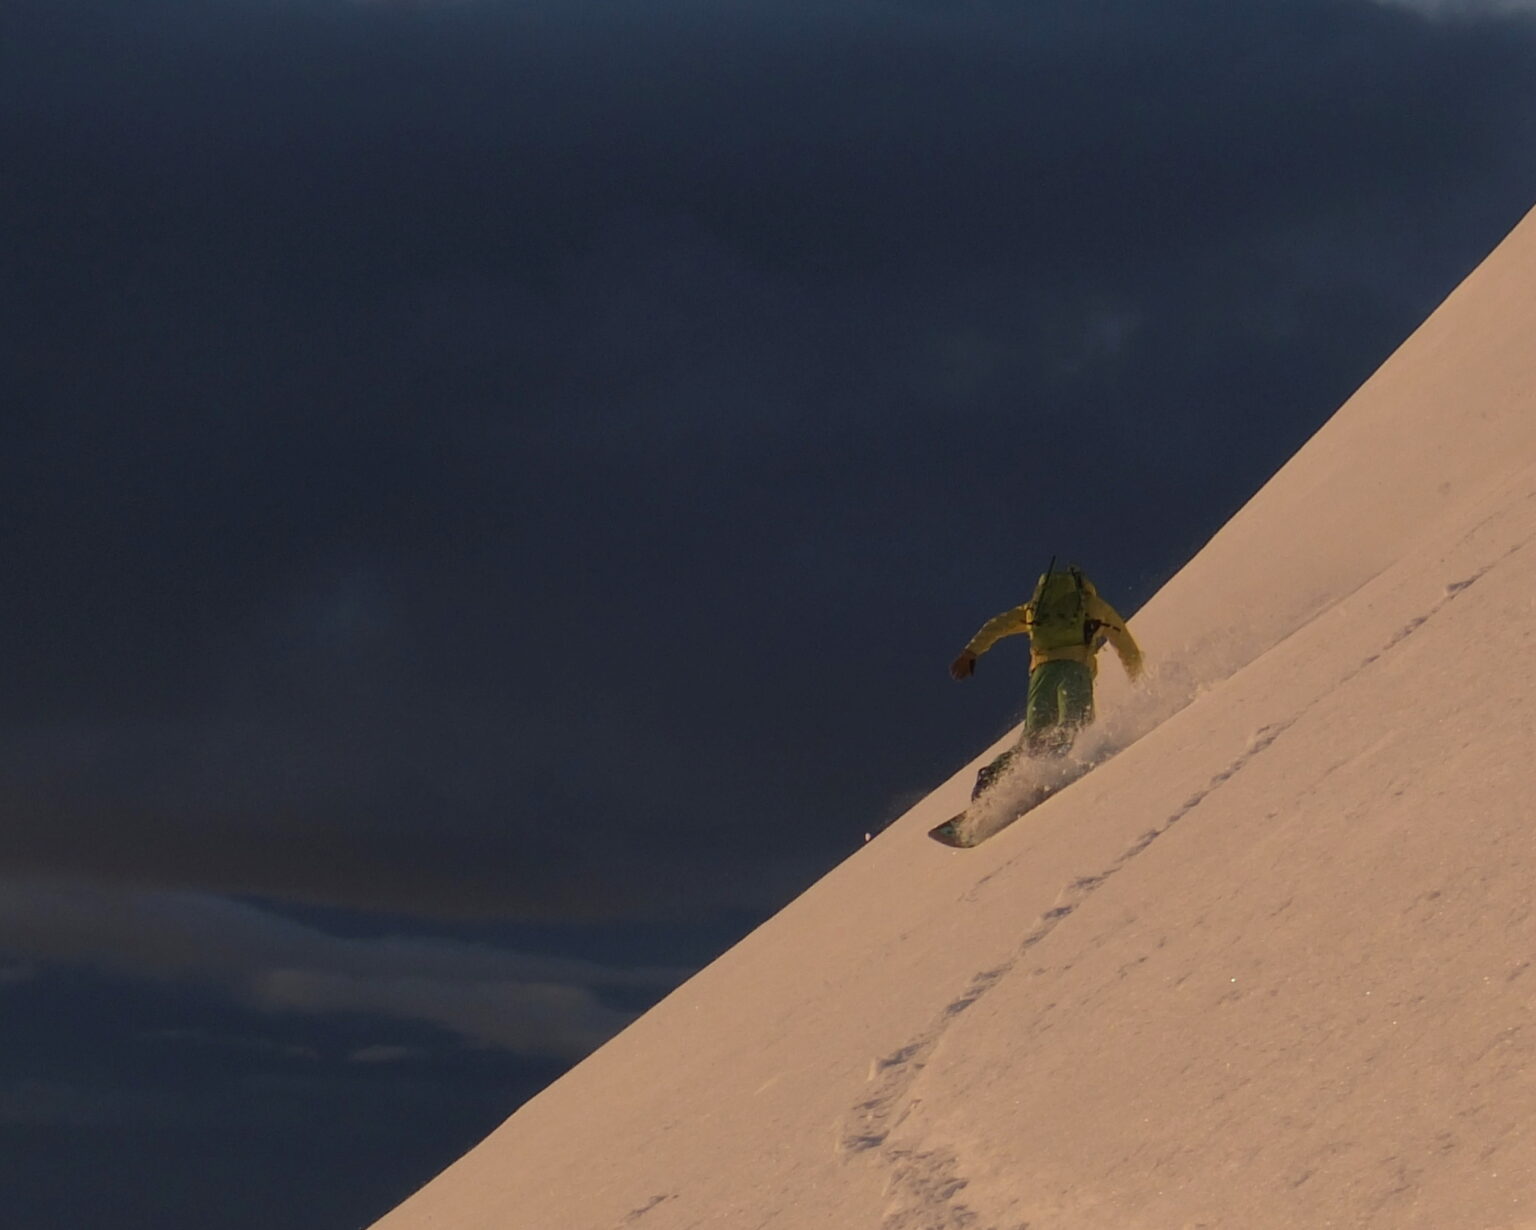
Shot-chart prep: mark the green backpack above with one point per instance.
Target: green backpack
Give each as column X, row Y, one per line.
column 1059, row 612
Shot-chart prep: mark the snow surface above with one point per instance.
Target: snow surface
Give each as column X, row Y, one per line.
column 1270, row 965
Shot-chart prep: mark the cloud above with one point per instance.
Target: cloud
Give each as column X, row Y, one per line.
column 1466, row 9
column 531, row 1005
column 49, row 1103
column 383, row 1054
column 528, row 1018
column 239, row 1043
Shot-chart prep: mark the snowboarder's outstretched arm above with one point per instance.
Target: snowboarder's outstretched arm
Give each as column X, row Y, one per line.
column 1009, row 623
column 1112, row 628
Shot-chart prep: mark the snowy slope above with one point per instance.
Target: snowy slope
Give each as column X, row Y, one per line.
column 1269, row 966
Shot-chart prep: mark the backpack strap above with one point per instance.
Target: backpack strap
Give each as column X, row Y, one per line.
column 1045, row 579
column 1090, row 626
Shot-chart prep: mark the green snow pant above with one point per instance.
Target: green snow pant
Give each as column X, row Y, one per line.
column 1060, row 704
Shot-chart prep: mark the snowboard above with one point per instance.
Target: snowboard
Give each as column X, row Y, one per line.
column 971, row 829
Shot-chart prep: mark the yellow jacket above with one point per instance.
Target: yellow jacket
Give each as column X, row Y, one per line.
column 1111, row 629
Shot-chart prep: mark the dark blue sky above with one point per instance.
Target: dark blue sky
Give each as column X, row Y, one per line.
column 491, row 490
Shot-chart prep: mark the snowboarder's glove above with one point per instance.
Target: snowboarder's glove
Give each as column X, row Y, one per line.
column 964, row 666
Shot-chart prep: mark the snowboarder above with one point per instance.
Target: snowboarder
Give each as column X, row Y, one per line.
column 1067, row 624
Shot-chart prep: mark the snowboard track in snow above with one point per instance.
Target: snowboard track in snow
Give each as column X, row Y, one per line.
column 635, row 1215
column 925, row 1186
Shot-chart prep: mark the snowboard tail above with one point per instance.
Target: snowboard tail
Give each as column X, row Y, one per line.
column 951, row 833
column 973, row 826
